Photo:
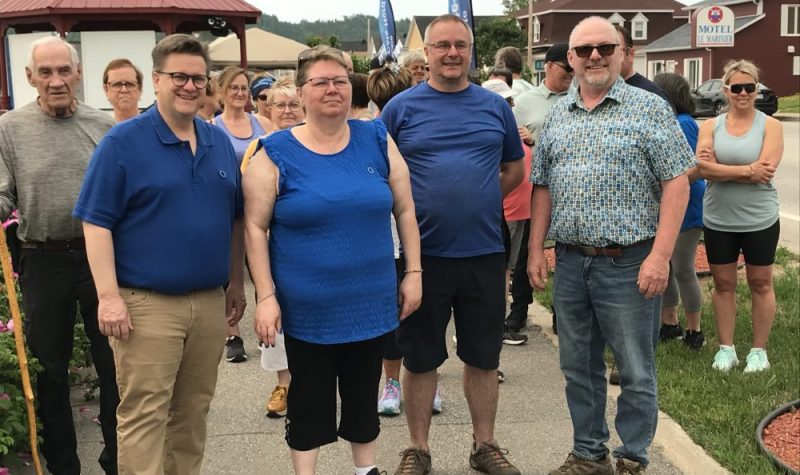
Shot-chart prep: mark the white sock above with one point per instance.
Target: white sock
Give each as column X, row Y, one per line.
column 726, row 347
column 754, row 349
column 363, row 470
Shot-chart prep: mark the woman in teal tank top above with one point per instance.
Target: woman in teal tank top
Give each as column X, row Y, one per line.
column 324, row 190
column 738, row 153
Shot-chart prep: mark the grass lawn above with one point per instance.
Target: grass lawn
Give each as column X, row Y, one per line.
column 789, row 103
column 721, row 411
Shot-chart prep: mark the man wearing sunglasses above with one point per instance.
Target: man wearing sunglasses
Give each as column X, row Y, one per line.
column 610, row 189
column 531, row 109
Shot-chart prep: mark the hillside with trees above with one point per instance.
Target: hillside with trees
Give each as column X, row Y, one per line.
column 348, row 28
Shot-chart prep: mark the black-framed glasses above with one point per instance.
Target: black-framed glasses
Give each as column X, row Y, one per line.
column 339, row 82
column 748, row 87
column 318, row 50
column 442, row 47
column 566, row 67
column 180, row 79
column 586, row 50
column 117, row 86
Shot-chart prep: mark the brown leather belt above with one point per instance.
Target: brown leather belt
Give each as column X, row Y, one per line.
column 610, row 251
column 68, row 245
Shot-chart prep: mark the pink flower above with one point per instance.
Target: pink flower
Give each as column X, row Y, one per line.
column 3, row 327
column 4, row 397
column 10, row 328
column 5, row 471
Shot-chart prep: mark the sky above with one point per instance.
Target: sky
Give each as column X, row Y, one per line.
column 311, row 10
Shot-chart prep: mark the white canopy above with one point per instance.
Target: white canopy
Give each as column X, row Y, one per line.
column 264, row 49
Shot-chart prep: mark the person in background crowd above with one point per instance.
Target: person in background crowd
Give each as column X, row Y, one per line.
column 511, row 58
column 504, row 74
column 241, row 127
column 259, row 89
column 629, row 195
column 462, row 146
column 628, row 73
column 122, row 83
column 414, row 61
column 209, row 103
column 348, row 60
column 45, row 147
column 359, row 106
column 683, row 283
column 739, row 152
column 329, row 184
column 530, row 109
column 163, row 306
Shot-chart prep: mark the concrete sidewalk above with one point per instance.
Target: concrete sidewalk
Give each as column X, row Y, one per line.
column 532, row 422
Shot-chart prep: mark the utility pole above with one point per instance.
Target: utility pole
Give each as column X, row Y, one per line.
column 369, row 40
column 530, row 34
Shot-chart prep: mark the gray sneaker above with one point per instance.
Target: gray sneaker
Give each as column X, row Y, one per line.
column 414, row 461
column 625, row 466
column 234, row 350
column 575, row 465
column 490, row 458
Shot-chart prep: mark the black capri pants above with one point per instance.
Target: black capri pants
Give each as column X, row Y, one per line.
column 316, row 371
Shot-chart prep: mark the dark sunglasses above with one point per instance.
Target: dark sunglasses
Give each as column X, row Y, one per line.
column 262, row 97
column 565, row 67
column 737, row 88
column 586, row 50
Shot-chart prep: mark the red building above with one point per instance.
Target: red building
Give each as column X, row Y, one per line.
column 766, row 32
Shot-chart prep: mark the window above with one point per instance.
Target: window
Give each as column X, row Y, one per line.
column 671, row 65
column 790, row 20
column 655, row 67
column 693, row 71
column 537, row 29
column 617, row 19
column 796, row 66
column 639, row 27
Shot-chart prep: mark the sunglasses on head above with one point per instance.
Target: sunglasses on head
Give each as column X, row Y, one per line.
column 737, row 88
column 586, row 50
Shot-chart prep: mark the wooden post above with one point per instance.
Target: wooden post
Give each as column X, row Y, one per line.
column 530, row 35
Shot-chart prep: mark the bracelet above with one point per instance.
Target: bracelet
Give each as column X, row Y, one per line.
column 265, row 297
column 751, row 169
column 409, row 271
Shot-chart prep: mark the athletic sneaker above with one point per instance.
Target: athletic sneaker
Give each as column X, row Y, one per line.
column 276, row 406
column 516, row 320
column 234, row 350
column 725, row 359
column 414, row 461
column 490, row 458
column 575, row 465
column 670, row 332
column 437, row 401
column 756, row 361
column 513, row 338
column 375, row 471
column 625, row 466
column 694, row 339
column 501, row 377
column 389, row 404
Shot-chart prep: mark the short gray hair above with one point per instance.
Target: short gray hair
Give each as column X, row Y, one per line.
column 411, row 57
column 73, row 53
column 448, row 18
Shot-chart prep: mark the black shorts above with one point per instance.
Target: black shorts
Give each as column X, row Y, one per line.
column 758, row 247
column 316, row 370
column 472, row 289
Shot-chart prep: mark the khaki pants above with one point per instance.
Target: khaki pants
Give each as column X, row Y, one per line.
column 167, row 373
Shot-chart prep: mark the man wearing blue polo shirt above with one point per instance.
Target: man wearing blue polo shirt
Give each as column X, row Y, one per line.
column 161, row 205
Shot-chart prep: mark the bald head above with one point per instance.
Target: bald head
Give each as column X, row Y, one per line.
column 600, row 60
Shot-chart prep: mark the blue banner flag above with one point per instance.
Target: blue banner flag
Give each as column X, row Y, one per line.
column 386, row 26
column 463, row 8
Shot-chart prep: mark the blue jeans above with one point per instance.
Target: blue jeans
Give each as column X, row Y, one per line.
column 598, row 301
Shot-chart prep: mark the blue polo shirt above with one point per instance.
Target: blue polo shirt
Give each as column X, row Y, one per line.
column 170, row 213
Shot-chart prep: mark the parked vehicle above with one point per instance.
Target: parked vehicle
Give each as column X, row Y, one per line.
column 709, row 99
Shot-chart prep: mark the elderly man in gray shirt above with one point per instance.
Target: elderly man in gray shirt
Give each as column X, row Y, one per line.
column 44, row 149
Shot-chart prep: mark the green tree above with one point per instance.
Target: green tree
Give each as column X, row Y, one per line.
column 510, row 6
column 495, row 34
column 360, row 65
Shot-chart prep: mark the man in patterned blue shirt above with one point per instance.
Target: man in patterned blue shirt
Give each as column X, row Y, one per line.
column 609, row 169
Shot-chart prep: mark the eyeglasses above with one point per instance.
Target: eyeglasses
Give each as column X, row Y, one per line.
column 238, row 89
column 738, row 88
column 292, row 106
column 180, row 79
column 339, row 82
column 316, row 51
column 565, row 67
column 444, row 47
column 587, row 50
column 117, row 86
column 422, row 67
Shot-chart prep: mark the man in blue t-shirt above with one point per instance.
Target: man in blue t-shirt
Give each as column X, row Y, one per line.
column 464, row 154
column 161, row 206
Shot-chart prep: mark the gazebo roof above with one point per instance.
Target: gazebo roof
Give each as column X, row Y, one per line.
column 27, row 8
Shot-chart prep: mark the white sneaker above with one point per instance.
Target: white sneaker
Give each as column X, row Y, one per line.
column 389, row 404
column 756, row 361
column 725, row 359
column 437, row 401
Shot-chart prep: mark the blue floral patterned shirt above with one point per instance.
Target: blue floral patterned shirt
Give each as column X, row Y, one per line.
column 604, row 166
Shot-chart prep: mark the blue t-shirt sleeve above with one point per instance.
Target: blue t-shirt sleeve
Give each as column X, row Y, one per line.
column 103, row 197
column 690, row 130
column 512, row 144
column 389, row 119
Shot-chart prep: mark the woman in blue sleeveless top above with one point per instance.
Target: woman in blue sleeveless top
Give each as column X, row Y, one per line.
column 325, row 191
column 738, row 153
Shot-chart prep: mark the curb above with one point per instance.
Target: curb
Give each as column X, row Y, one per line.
column 674, row 442
column 787, row 116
